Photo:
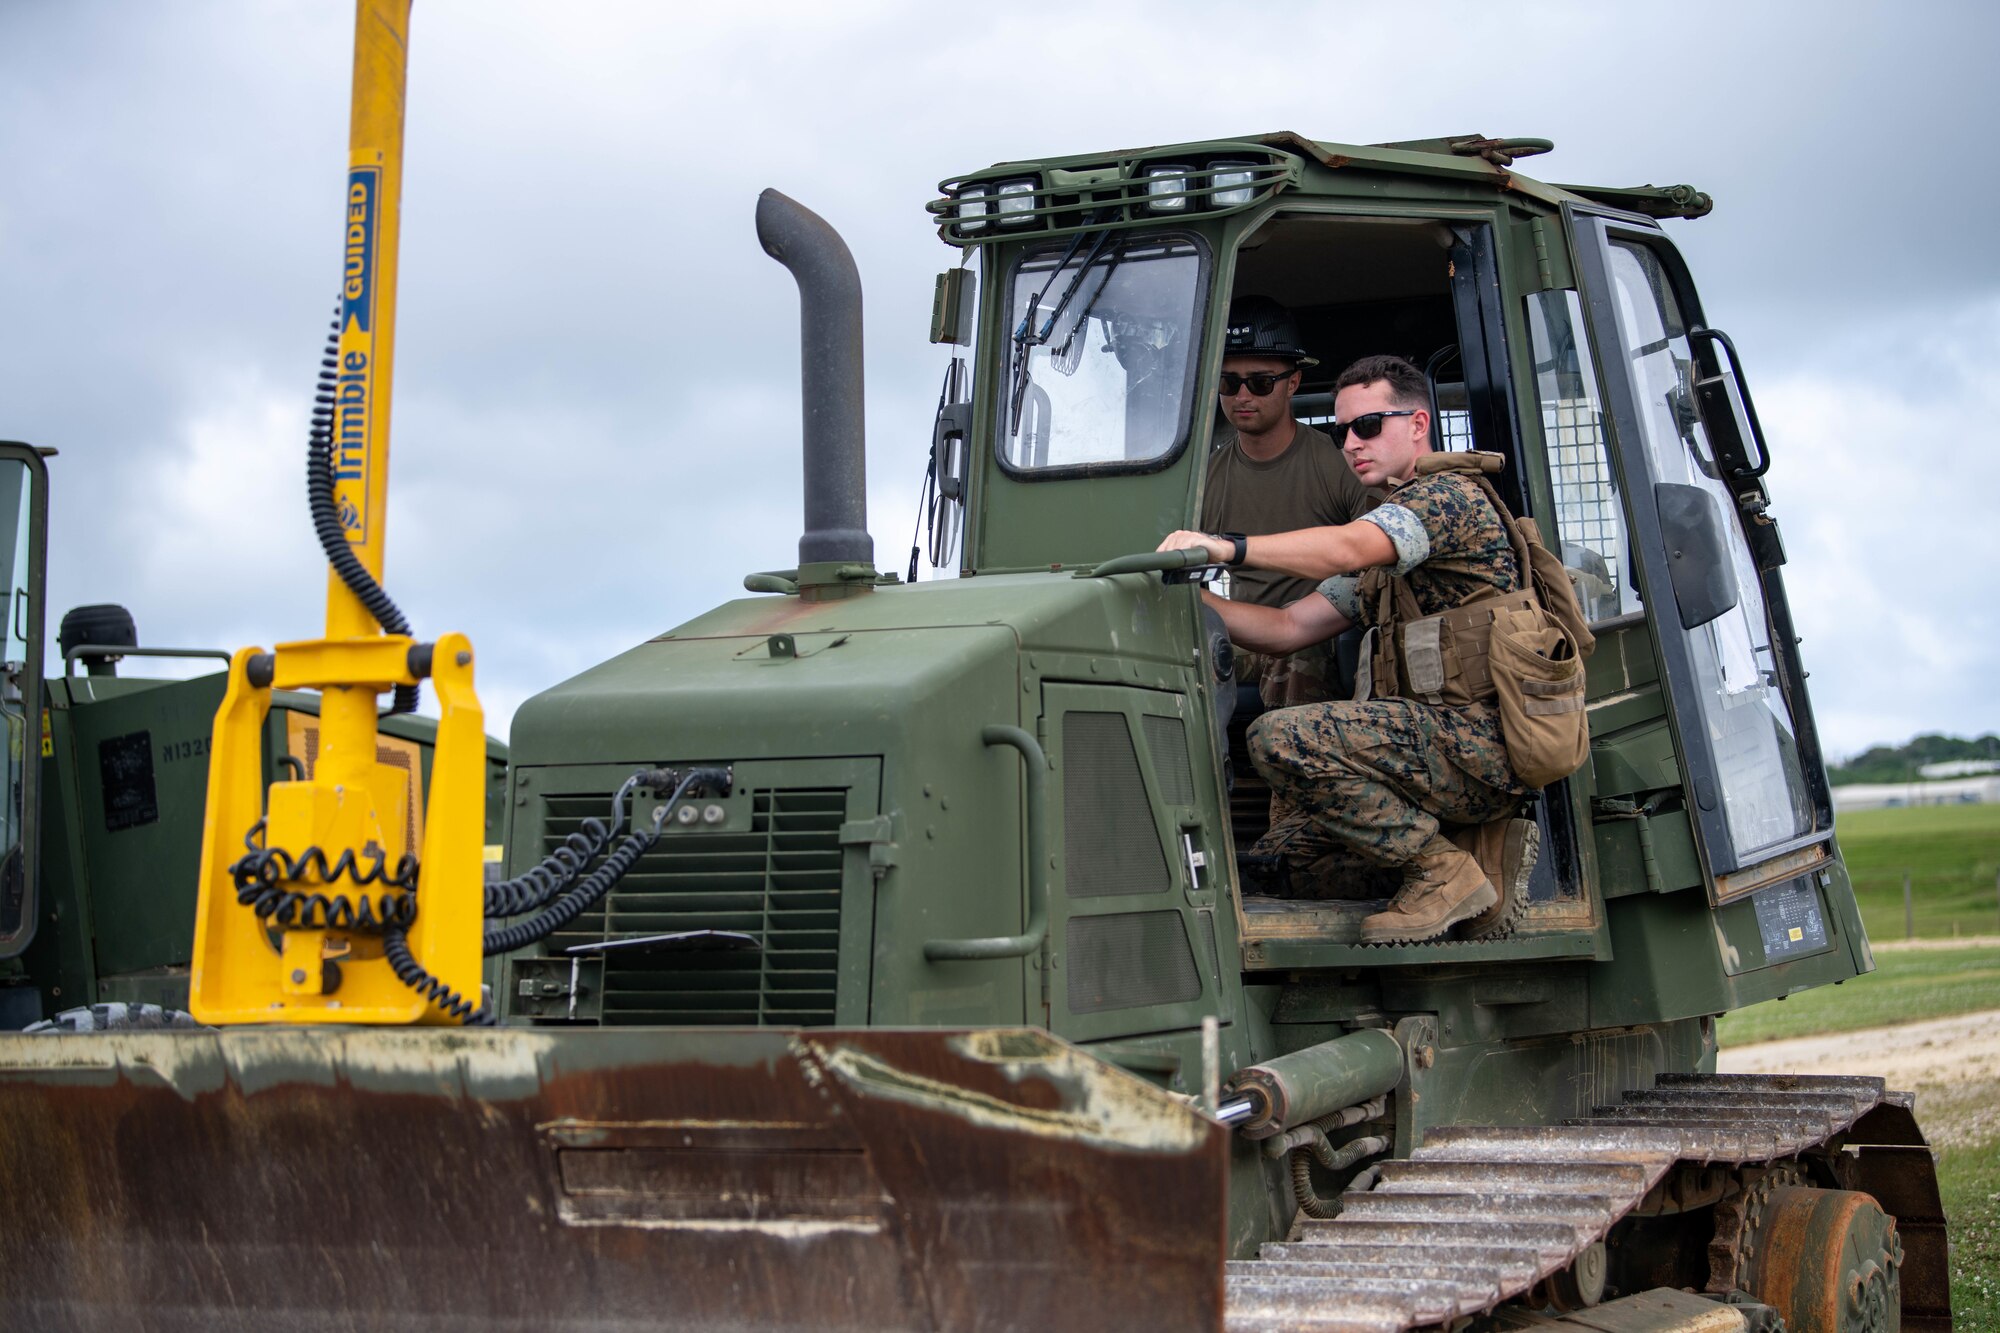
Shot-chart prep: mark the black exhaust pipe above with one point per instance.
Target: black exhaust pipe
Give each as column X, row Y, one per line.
column 830, row 320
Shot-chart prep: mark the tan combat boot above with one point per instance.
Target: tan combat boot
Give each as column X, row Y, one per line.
column 1506, row 850
column 1444, row 887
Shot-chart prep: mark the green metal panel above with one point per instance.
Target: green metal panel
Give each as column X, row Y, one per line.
column 60, row 961
column 141, row 783
column 1177, row 966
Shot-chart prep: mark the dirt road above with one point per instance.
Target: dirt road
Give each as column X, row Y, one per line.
column 1952, row 1064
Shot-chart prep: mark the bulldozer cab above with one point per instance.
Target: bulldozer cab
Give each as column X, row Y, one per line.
column 1559, row 328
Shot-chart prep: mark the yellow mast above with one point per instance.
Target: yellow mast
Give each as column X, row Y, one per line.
column 283, row 935
column 373, row 215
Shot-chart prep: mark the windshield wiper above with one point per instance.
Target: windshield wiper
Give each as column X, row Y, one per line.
column 1027, row 336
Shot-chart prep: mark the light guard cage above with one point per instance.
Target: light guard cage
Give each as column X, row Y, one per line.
column 1217, row 180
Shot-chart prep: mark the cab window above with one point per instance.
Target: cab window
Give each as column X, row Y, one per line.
column 1101, row 354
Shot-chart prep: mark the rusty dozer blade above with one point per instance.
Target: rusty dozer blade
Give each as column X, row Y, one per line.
column 349, row 1178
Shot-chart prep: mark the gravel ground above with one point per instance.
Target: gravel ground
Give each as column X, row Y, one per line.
column 1952, row 1064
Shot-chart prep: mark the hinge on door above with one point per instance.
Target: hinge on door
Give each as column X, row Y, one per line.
column 1552, row 269
column 878, row 836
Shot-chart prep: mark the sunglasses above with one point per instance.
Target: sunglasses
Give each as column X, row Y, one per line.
column 1259, row 384
column 1366, row 426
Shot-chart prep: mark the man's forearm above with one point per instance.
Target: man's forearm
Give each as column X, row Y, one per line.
column 1316, row 553
column 1261, row 629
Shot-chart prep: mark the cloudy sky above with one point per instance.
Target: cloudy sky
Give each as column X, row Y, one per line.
column 596, row 403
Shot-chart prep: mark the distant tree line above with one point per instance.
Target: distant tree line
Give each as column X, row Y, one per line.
column 1899, row 763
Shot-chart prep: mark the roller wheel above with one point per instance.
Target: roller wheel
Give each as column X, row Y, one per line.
column 1827, row 1261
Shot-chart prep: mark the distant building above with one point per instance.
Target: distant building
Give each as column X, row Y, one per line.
column 1959, row 768
column 1887, row 795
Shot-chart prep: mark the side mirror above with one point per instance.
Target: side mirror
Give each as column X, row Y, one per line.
column 951, row 308
column 945, row 486
column 954, row 424
column 1704, row 577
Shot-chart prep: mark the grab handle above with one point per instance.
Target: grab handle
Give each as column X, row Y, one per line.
column 1036, row 935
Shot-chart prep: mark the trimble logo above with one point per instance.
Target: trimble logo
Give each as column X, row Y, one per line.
column 354, row 393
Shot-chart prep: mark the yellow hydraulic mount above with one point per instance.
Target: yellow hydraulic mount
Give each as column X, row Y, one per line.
column 314, row 935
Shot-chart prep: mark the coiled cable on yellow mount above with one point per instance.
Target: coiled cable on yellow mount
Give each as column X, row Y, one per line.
column 396, row 948
column 552, row 886
column 261, row 874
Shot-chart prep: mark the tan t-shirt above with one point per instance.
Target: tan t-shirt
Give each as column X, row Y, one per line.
column 1310, row 485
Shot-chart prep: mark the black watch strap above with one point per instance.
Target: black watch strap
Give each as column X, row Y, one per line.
column 1242, row 545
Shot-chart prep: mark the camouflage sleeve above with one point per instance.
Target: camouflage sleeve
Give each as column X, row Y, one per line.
column 1454, row 516
column 1344, row 591
column 1406, row 531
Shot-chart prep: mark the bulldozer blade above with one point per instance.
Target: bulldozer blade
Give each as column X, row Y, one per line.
column 351, row 1178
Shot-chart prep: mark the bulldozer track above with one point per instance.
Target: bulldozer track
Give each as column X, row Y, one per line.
column 1478, row 1216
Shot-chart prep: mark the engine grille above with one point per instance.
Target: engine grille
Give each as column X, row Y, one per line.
column 779, row 882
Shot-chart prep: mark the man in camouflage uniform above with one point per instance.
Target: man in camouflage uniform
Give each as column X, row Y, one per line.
column 1373, row 780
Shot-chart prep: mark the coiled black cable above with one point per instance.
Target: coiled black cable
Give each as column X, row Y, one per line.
column 326, row 518
column 549, row 877
column 261, row 874
column 396, row 948
column 585, row 895
column 594, row 886
column 541, row 882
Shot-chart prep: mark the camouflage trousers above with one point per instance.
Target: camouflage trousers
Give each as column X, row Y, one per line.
column 1304, row 677
column 1368, row 785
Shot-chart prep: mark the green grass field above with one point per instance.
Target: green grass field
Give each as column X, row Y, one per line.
column 1951, row 854
column 1969, row 1180
column 1906, row 985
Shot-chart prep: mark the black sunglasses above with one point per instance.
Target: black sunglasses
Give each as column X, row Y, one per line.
column 1260, row 384
column 1366, row 426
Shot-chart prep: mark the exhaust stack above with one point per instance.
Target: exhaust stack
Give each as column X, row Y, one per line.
column 830, row 321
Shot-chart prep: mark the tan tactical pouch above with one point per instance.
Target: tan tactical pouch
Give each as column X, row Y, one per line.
column 1441, row 659
column 1524, row 649
column 1536, row 657
column 1538, row 681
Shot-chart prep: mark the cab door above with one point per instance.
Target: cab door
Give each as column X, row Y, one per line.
column 1709, row 559
column 24, row 518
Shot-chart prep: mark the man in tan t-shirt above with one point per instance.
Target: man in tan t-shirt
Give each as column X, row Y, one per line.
column 1272, row 473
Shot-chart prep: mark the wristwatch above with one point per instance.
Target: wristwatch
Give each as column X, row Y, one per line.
column 1239, row 541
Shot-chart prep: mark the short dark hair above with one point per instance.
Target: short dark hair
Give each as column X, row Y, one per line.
column 1408, row 386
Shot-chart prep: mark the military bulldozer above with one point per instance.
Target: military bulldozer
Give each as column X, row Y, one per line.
column 925, row 991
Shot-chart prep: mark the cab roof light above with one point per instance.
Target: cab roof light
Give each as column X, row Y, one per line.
column 1016, row 202
column 1167, row 187
column 973, row 206
column 1233, row 182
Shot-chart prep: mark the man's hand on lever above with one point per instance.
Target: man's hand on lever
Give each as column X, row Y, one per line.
column 1267, row 629
column 1308, row 553
column 1219, row 551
